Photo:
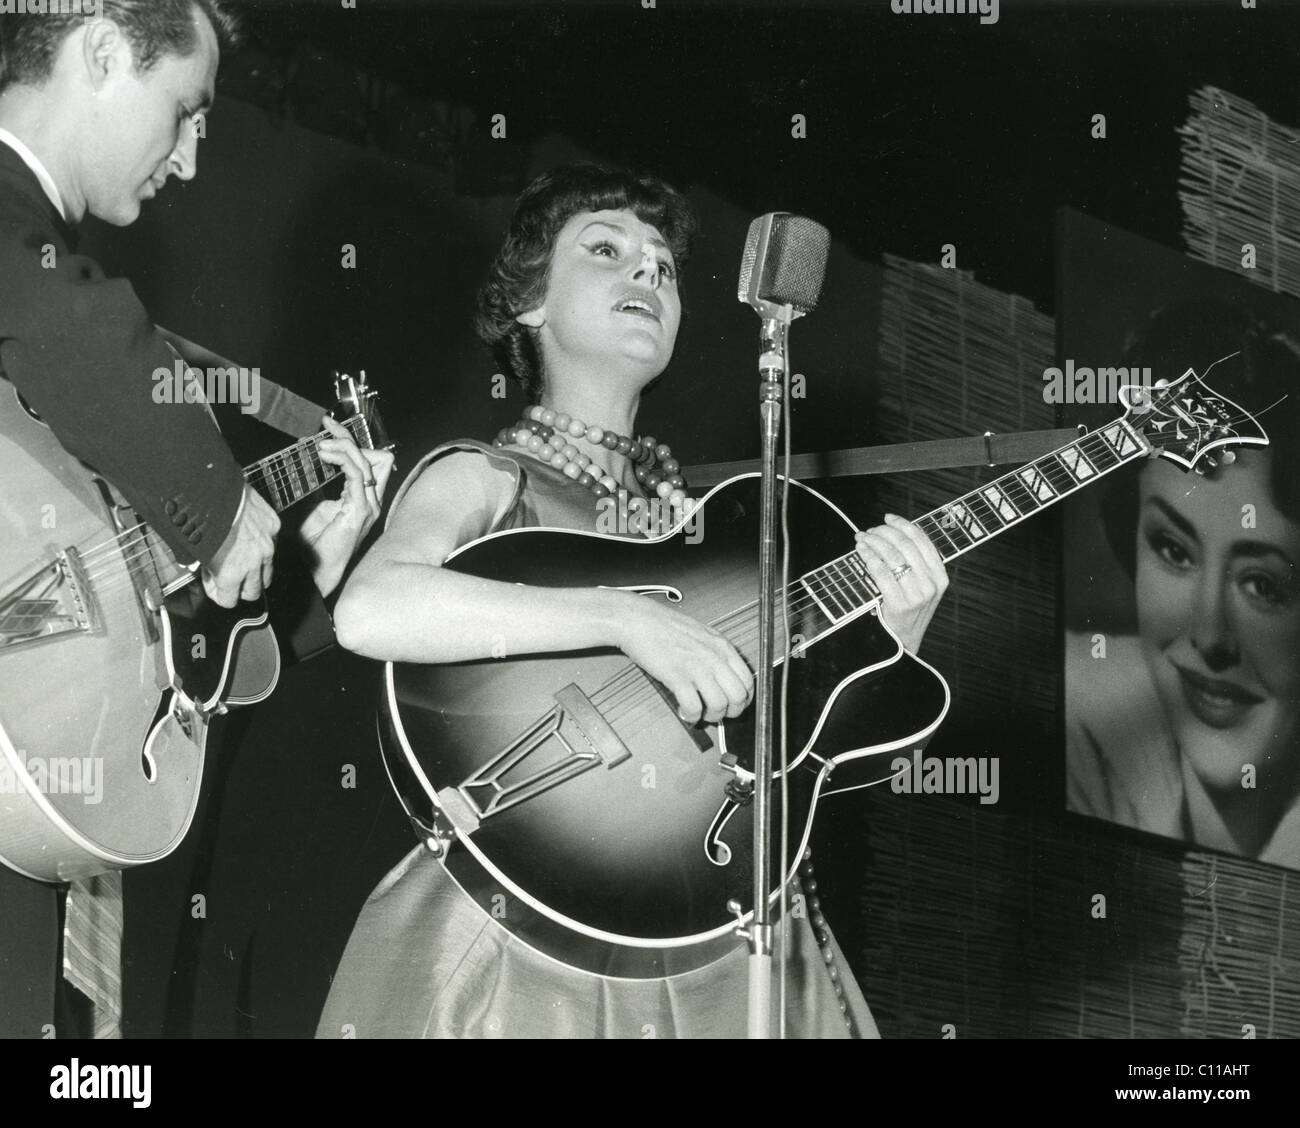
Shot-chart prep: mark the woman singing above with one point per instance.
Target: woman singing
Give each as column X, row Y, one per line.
column 582, row 309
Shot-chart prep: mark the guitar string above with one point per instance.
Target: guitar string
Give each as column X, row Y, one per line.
column 141, row 546
column 137, row 535
column 1091, row 446
column 836, row 583
column 356, row 421
column 1087, row 444
column 630, row 688
column 148, row 545
column 136, row 544
column 281, row 478
column 278, row 469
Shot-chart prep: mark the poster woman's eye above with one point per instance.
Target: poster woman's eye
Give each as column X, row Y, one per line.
column 1169, row 549
column 1267, row 589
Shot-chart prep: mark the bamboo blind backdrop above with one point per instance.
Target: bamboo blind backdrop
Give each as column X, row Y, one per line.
column 983, row 918
column 1240, row 184
column 958, row 358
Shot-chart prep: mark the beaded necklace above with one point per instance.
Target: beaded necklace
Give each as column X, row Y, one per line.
column 543, row 431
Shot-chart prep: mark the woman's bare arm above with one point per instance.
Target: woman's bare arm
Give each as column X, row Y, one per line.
column 400, row 604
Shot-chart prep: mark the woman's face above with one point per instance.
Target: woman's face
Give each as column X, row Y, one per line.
column 611, row 295
column 1219, row 614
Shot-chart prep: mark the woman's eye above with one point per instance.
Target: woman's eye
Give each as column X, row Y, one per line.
column 1265, row 588
column 1169, row 550
column 667, row 269
column 605, row 248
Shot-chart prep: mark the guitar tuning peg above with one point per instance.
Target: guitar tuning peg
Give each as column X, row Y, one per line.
column 1228, row 457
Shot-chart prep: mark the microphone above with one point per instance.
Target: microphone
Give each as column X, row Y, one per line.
column 781, row 277
column 781, row 274
column 784, row 264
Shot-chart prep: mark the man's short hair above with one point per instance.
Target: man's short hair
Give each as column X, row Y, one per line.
column 29, row 42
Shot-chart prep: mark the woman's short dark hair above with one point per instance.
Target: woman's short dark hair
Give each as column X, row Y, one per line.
column 1195, row 334
column 29, row 43
column 519, row 275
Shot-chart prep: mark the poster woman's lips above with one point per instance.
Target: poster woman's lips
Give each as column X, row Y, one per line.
column 1215, row 701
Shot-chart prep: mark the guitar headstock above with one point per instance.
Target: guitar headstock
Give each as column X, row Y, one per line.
column 1187, row 421
column 356, row 400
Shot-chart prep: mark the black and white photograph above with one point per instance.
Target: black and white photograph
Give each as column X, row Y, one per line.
column 650, row 520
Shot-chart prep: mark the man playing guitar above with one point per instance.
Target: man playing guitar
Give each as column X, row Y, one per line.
column 97, row 112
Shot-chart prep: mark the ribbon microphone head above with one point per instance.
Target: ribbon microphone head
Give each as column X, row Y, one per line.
column 784, row 264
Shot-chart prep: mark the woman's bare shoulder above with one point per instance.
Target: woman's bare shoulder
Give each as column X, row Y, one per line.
column 454, row 499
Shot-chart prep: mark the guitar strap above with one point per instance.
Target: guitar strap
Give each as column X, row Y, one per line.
column 278, row 407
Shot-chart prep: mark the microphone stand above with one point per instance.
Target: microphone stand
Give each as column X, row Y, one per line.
column 774, row 375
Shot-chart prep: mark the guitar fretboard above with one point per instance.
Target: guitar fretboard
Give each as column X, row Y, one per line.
column 290, row 475
column 828, row 595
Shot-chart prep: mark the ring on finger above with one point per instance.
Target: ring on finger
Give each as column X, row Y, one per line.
column 901, row 571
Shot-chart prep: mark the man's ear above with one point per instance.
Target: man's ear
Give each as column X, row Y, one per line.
column 104, row 49
column 533, row 319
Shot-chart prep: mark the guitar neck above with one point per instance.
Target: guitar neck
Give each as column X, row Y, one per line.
column 289, row 475
column 843, row 587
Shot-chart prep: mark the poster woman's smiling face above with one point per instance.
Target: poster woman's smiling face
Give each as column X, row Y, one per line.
column 1218, row 598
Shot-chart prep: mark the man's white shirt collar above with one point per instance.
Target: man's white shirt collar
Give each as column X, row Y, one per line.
column 32, row 161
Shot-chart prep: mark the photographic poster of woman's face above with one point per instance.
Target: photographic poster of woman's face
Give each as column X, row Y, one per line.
column 1182, row 588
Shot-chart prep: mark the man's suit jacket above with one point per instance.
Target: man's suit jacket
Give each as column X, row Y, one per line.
column 82, row 350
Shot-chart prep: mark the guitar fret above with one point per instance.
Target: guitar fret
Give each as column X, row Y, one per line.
column 324, row 471
column 1054, row 471
column 271, row 484
column 958, row 515
column 830, row 617
column 288, row 476
column 844, row 585
column 832, row 593
column 989, row 518
column 930, row 520
column 1020, row 496
column 1121, row 440
column 1037, row 483
column 1000, row 504
column 1100, row 453
column 309, row 470
column 293, row 466
column 1076, row 464
column 858, row 579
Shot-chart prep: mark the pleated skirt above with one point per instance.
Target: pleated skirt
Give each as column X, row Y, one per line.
column 424, row 961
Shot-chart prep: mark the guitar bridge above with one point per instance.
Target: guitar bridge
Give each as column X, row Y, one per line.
column 571, row 739
column 55, row 600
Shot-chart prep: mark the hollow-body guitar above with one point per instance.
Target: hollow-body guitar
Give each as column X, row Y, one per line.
column 112, row 660
column 562, row 791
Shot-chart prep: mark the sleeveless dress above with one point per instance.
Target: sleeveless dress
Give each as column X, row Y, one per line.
column 424, row 960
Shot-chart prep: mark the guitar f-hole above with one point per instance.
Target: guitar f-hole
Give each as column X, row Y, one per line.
column 715, row 849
